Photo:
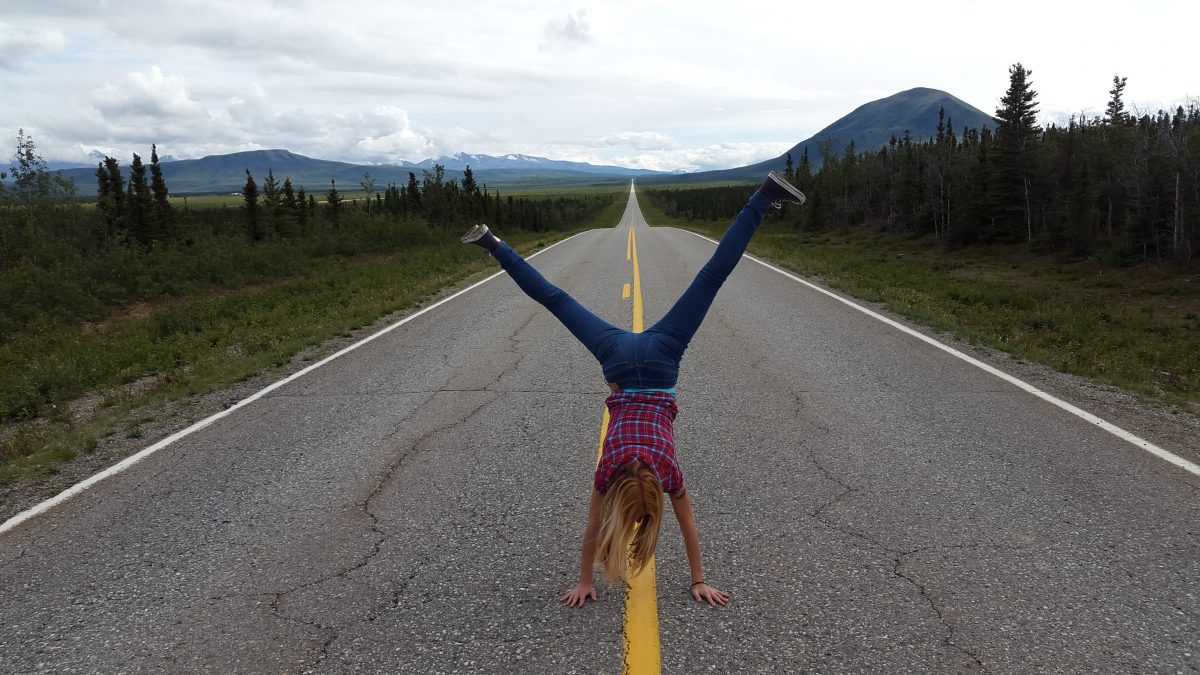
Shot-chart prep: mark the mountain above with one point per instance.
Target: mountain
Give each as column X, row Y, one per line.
column 227, row 173
column 459, row 161
column 871, row 126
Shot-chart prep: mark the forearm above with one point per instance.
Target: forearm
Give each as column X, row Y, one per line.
column 587, row 557
column 691, row 543
column 691, row 537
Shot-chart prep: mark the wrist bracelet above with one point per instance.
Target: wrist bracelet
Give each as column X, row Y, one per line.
column 695, row 583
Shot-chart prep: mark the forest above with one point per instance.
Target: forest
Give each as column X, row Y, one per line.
column 1122, row 187
column 65, row 260
column 99, row 294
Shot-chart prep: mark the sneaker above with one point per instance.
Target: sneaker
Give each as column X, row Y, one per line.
column 779, row 192
column 480, row 235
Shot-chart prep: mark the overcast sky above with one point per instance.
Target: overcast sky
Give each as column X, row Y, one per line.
column 673, row 85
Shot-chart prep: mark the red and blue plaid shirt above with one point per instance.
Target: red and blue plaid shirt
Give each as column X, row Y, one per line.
column 640, row 427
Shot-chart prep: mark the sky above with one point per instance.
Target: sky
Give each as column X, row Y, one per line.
column 655, row 84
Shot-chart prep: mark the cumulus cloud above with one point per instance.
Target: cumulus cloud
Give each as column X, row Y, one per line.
column 704, row 157
column 152, row 94
column 640, row 140
column 574, row 30
column 18, row 44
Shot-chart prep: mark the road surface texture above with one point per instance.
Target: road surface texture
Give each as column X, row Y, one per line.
column 872, row 504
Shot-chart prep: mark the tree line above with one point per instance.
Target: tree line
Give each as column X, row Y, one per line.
column 1122, row 186
column 65, row 260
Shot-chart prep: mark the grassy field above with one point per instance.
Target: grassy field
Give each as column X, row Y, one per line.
column 206, row 341
column 1137, row 328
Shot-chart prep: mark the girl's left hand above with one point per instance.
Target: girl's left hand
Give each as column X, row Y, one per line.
column 704, row 593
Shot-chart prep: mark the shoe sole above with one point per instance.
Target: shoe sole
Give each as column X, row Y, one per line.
column 474, row 234
column 788, row 186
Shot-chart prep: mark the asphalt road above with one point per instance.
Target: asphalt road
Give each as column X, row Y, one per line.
column 872, row 503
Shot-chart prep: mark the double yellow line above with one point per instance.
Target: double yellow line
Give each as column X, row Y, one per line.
column 642, row 651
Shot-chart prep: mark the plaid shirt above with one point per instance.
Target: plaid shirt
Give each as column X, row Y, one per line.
column 640, row 428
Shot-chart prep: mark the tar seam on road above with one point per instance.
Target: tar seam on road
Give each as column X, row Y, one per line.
column 643, row 653
column 1021, row 384
column 146, row 452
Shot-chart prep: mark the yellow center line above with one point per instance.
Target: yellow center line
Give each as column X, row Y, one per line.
column 642, row 650
column 637, row 285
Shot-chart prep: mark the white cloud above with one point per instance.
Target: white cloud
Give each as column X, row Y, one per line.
column 19, row 44
column 150, row 95
column 574, row 30
column 705, row 157
column 655, row 83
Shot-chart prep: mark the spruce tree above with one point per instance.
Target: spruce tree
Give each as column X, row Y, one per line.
column 334, row 201
column 250, row 207
column 287, row 217
column 412, row 193
column 302, row 211
column 104, row 201
column 270, row 193
column 163, row 216
column 140, row 205
column 1014, row 157
column 469, row 186
column 1115, row 112
column 116, row 185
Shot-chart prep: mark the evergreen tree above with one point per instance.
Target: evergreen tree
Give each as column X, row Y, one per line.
column 163, row 217
column 271, row 211
column 116, row 185
column 104, row 202
column 469, row 187
column 140, row 205
column 287, row 216
column 250, row 207
column 334, row 201
column 302, row 218
column 1115, row 112
column 412, row 193
column 1014, row 156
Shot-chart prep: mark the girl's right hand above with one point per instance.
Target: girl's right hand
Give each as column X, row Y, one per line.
column 702, row 592
column 578, row 596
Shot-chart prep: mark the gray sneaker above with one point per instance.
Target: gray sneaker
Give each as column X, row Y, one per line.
column 481, row 236
column 779, row 192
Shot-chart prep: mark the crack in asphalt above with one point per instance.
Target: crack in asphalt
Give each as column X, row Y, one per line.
column 24, row 553
column 809, row 446
column 381, row 536
column 946, row 623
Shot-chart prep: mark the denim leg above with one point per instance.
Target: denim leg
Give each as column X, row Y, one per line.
column 684, row 318
column 585, row 326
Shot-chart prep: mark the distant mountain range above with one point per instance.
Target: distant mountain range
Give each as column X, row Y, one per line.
column 869, row 126
column 227, row 173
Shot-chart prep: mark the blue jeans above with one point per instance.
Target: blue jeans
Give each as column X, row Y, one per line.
column 650, row 359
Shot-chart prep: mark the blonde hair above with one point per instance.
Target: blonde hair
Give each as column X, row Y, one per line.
column 633, row 507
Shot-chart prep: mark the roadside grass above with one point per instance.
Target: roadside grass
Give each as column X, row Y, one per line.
column 1137, row 328
column 205, row 341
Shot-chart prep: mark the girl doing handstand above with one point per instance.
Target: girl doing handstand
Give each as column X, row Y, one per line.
column 637, row 463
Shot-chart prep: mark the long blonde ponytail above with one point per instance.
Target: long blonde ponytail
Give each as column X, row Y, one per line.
column 633, row 507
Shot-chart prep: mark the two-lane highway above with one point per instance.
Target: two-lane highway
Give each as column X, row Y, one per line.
column 873, row 504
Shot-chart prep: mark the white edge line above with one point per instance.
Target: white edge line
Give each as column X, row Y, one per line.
column 1078, row 412
column 146, row 452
